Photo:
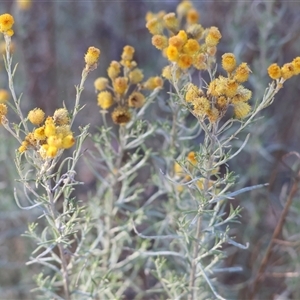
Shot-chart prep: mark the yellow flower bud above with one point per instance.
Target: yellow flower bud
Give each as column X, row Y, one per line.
column 36, row 116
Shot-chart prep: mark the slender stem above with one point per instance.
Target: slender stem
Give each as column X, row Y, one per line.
column 211, row 146
column 275, row 235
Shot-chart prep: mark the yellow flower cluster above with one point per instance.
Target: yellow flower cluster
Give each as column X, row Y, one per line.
column 191, row 46
column 124, row 86
column 50, row 135
column 6, row 23
column 286, row 71
column 222, row 92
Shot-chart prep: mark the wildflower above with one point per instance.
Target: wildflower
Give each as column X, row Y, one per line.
column 154, row 26
column 114, row 70
column 274, row 71
column 201, row 106
column 222, row 102
column 241, row 109
column 100, row 83
column 228, row 62
column 176, row 41
column 105, row 99
column 199, row 61
column 36, row 116
column 92, row 56
column 192, row 92
column 55, row 141
column 61, row 117
column 231, row 88
column 120, row 85
column 242, row 95
column 211, row 51
column 22, row 148
column 191, row 47
column 136, row 99
column 3, row 111
column 39, row 133
column 182, row 35
column 49, row 127
column 287, row 71
column 172, row 53
column 51, row 151
column 192, row 16
column 136, row 76
column 63, row 130
column 4, row 95
column 6, row 22
column 153, row 83
column 160, row 41
column 185, row 61
column 242, row 72
column 213, row 37
column 296, row 65
column 128, row 52
column 213, row 115
column 171, row 22
column 121, row 115
column 195, row 31
column 68, row 141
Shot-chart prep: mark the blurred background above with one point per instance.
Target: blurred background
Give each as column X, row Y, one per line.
column 51, row 38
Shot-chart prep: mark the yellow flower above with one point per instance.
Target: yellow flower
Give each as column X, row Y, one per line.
column 105, row 99
column 287, row 70
column 228, row 62
column 120, row 85
column 176, row 41
column 51, row 151
column 136, row 99
column 185, row 61
column 199, row 61
column 213, row 37
column 242, row 72
column 211, row 51
column 195, row 31
column 114, row 70
column 100, row 83
column 68, row 141
column 192, row 92
column 296, row 65
column 274, row 71
column 159, row 41
column 128, row 52
column 54, row 141
column 231, row 88
column 136, row 76
column 222, row 102
column 61, row 117
column 191, row 47
column 153, row 83
column 4, row 95
column 121, row 115
column 241, row 109
column 92, row 56
column 39, row 133
column 192, row 16
column 36, row 116
column 171, row 22
column 172, row 53
column 6, row 22
column 63, row 130
column 22, row 148
column 182, row 35
column 50, row 128
column 201, row 106
column 213, row 115
column 154, row 26
column 242, row 95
